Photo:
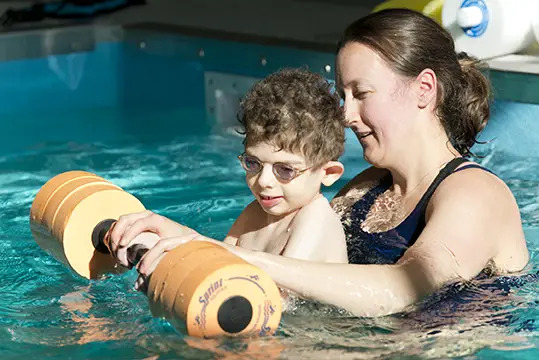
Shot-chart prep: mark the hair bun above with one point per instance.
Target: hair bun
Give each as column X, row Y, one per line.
column 463, row 55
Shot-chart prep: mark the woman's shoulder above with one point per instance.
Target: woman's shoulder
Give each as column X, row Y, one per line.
column 476, row 190
column 473, row 181
column 477, row 213
column 473, row 185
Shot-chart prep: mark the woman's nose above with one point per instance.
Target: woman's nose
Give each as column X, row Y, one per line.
column 351, row 112
column 266, row 178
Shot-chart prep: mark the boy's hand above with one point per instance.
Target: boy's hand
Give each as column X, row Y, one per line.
column 134, row 228
column 151, row 259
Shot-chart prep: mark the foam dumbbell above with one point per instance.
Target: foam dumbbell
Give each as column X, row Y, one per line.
column 199, row 284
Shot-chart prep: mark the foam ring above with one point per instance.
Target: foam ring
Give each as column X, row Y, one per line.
column 201, row 313
column 44, row 239
column 64, row 210
column 192, row 268
column 49, row 191
column 63, row 193
column 77, row 220
column 158, row 279
column 179, row 263
column 49, row 201
column 49, row 188
column 193, row 274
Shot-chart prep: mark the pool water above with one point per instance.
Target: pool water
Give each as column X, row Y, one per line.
column 135, row 111
column 48, row 312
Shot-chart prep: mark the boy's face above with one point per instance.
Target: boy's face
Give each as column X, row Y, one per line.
column 275, row 196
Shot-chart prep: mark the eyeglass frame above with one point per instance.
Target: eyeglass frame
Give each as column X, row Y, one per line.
column 297, row 173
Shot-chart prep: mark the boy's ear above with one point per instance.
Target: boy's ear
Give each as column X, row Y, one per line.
column 333, row 170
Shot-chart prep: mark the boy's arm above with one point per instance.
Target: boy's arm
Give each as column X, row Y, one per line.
column 241, row 225
column 316, row 234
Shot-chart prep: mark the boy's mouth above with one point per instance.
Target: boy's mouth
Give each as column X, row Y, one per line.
column 266, row 197
column 269, row 201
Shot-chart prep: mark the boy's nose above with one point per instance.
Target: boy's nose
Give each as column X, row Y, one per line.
column 266, row 178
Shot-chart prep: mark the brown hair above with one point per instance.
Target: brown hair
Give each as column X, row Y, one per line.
column 411, row 42
column 296, row 110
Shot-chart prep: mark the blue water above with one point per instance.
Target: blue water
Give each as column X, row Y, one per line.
column 137, row 118
column 47, row 311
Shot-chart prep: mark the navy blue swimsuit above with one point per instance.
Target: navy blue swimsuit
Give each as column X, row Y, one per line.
column 440, row 308
column 387, row 247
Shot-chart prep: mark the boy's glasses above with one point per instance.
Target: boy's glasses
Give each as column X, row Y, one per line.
column 282, row 171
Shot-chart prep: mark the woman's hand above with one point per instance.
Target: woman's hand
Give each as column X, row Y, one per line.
column 151, row 259
column 134, row 228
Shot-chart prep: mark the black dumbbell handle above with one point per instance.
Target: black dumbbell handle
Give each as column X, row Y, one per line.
column 134, row 252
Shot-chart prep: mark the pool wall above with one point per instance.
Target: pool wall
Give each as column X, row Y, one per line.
column 175, row 80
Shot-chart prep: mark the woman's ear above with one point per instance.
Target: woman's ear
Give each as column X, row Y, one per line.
column 428, row 88
column 333, row 170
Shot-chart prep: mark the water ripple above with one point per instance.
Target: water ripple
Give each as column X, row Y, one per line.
column 47, row 310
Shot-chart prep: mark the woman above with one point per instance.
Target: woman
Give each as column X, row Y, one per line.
column 422, row 215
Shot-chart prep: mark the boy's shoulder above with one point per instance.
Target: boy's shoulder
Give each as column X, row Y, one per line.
column 248, row 219
column 317, row 211
column 319, row 203
column 317, row 234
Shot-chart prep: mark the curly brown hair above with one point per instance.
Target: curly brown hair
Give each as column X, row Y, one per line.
column 296, row 110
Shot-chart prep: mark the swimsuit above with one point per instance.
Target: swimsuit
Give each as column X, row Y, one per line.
column 387, row 247
column 486, row 293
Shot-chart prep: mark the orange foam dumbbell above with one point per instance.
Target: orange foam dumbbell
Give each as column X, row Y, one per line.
column 199, row 284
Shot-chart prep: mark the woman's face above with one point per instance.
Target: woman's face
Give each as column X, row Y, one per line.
column 377, row 103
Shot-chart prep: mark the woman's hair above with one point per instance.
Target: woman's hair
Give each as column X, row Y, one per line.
column 296, row 110
column 411, row 42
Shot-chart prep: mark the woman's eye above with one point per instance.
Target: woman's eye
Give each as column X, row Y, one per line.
column 359, row 94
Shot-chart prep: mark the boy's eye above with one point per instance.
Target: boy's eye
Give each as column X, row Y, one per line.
column 285, row 172
column 251, row 164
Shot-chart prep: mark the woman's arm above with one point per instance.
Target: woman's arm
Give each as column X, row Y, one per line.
column 364, row 290
column 465, row 218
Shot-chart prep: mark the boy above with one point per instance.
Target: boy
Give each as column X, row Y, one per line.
column 294, row 135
